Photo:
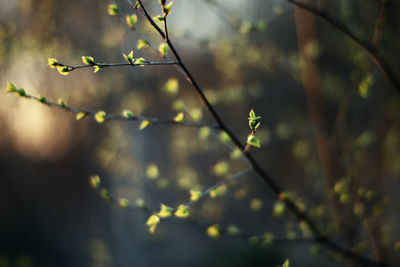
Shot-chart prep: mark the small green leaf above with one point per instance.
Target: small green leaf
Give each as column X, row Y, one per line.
column 279, row 208
column 179, row 117
column 171, row 86
column 129, row 57
column 140, row 61
column 163, row 48
column 62, row 103
column 221, row 168
column 63, row 70
column 52, row 62
column 152, row 222
column 131, row 21
column 165, row 211
column 182, row 211
column 100, row 116
column 286, row 263
column 127, row 113
column 204, row 132
column 42, row 99
column 104, row 194
column 123, row 202
column 236, row 154
column 94, row 181
column 140, row 203
column 21, row 92
column 80, row 115
column 167, row 8
column 253, row 141
column 195, row 195
column 142, row 44
column 113, row 10
column 88, row 60
column 11, row 88
column 158, row 18
column 144, row 124
column 262, row 26
column 98, row 68
column 365, row 86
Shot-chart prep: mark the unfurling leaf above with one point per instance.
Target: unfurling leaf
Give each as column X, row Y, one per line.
column 182, row 211
column 11, row 88
column 253, row 141
column 142, row 44
column 63, row 70
column 286, row 263
column 195, row 195
column 163, row 48
column 127, row 113
column 131, row 21
column 140, row 61
column 158, row 18
column 213, row 231
column 144, row 124
column 42, row 99
column 113, row 10
column 179, row 118
column 94, row 181
column 129, row 57
column 123, row 202
column 62, row 103
column 100, row 116
column 165, row 211
column 80, row 115
column 98, row 68
column 167, row 8
column 52, row 62
column 152, row 223
column 88, row 60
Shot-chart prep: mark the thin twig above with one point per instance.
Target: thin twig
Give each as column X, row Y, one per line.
column 366, row 46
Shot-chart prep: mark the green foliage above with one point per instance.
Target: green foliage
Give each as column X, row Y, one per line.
column 164, row 49
column 127, row 113
column 88, row 60
column 129, row 57
column 80, row 115
column 131, row 21
column 113, row 10
column 171, row 86
column 100, row 116
column 142, row 44
column 179, row 117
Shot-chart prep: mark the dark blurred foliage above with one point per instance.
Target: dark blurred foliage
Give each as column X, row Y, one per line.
column 244, row 55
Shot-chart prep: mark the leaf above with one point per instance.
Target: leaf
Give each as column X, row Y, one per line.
column 42, row 99
column 286, row 263
column 62, row 103
column 140, row 203
column 171, row 86
column 152, row 171
column 182, row 211
column 195, row 195
column 94, row 181
column 113, row 10
column 365, row 86
column 279, row 208
column 129, row 57
column 127, row 114
column 131, row 21
column 233, row 230
column 167, row 8
column 256, row 204
column 163, row 48
column 63, row 70
column 123, row 202
column 88, row 60
column 140, row 61
column 165, row 211
column 98, row 68
column 219, row 191
column 11, row 88
column 204, row 132
column 179, row 117
column 100, row 116
column 253, row 141
column 158, row 18
column 52, row 62
column 152, row 222
column 144, row 124
column 213, row 231
column 21, row 92
column 104, row 194
column 236, row 154
column 142, row 44
column 80, row 115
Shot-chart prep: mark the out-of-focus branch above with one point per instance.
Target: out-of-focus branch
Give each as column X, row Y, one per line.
column 366, row 46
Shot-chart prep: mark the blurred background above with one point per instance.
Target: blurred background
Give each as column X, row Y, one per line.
column 244, row 54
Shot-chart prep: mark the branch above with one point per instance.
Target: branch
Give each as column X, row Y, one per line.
column 366, row 46
column 81, row 113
